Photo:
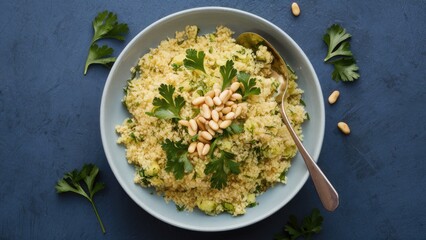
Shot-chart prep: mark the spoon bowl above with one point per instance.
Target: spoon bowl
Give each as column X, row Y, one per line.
column 326, row 192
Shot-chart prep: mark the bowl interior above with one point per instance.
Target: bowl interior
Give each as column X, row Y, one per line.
column 113, row 113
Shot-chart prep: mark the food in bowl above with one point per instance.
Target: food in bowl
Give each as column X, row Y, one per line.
column 206, row 130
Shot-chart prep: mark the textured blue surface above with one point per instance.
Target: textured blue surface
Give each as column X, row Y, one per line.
column 49, row 120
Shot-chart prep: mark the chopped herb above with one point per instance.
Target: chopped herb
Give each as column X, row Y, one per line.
column 345, row 67
column 307, row 116
column 175, row 66
column 302, row 102
column 177, row 159
column 228, row 72
column 180, row 208
column 248, row 85
column 311, row 225
column 220, row 168
column 71, row 182
column 167, row 107
column 105, row 25
column 194, row 60
column 252, row 205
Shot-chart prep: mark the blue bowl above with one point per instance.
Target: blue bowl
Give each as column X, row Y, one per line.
column 112, row 113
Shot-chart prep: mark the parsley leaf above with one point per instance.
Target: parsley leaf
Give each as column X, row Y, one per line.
column 335, row 36
column 310, row 225
column 345, row 70
column 345, row 67
column 99, row 55
column 228, row 72
column 71, row 182
column 105, row 25
column 177, row 159
column 194, row 60
column 248, row 85
column 220, row 168
column 234, row 128
column 167, row 107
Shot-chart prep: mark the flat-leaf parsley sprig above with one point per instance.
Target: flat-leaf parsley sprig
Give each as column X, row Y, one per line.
column 72, row 182
column 167, row 107
column 194, row 60
column 311, row 225
column 105, row 25
column 340, row 55
column 220, row 168
column 177, row 158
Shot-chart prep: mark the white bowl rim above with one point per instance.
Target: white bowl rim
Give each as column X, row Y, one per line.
column 315, row 155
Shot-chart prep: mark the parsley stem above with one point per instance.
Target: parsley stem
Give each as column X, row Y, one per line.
column 97, row 216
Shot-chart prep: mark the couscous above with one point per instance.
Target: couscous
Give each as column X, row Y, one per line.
column 206, row 130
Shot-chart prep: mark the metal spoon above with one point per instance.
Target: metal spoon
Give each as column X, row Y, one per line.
column 326, row 192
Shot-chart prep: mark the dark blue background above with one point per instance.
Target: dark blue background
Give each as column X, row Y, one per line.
column 49, row 120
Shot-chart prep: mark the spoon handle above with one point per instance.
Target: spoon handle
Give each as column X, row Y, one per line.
column 326, row 191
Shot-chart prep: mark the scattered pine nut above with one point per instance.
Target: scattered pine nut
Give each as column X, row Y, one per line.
column 192, row 147
column 223, row 95
column 215, row 115
column 205, row 111
column 184, row 123
column 200, row 146
column 225, row 124
column 333, row 97
column 209, row 101
column 193, row 125
column 238, row 111
column 230, row 116
column 197, row 101
column 206, row 135
column 210, row 94
column 234, row 86
column 206, row 149
column 226, row 110
column 295, row 9
column 344, row 127
column 213, row 125
column 217, row 101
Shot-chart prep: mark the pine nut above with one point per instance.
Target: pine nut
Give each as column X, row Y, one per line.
column 344, row 127
column 206, row 149
column 229, row 103
column 226, row 110
column 223, row 95
column 209, row 101
column 220, row 115
column 193, row 125
column 225, row 124
column 197, row 101
column 210, row 130
column 191, row 132
column 295, row 9
column 237, row 96
column 333, row 97
column 234, row 86
column 192, row 147
column 230, row 116
column 238, row 111
column 227, row 97
column 234, row 107
column 200, row 124
column 201, row 139
column 216, row 86
column 184, row 123
column 200, row 146
column 215, row 115
column 216, row 92
column 219, row 131
column 206, row 135
column 219, row 108
column 210, row 94
column 202, row 120
column 213, row 125
column 205, row 111
column 217, row 101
